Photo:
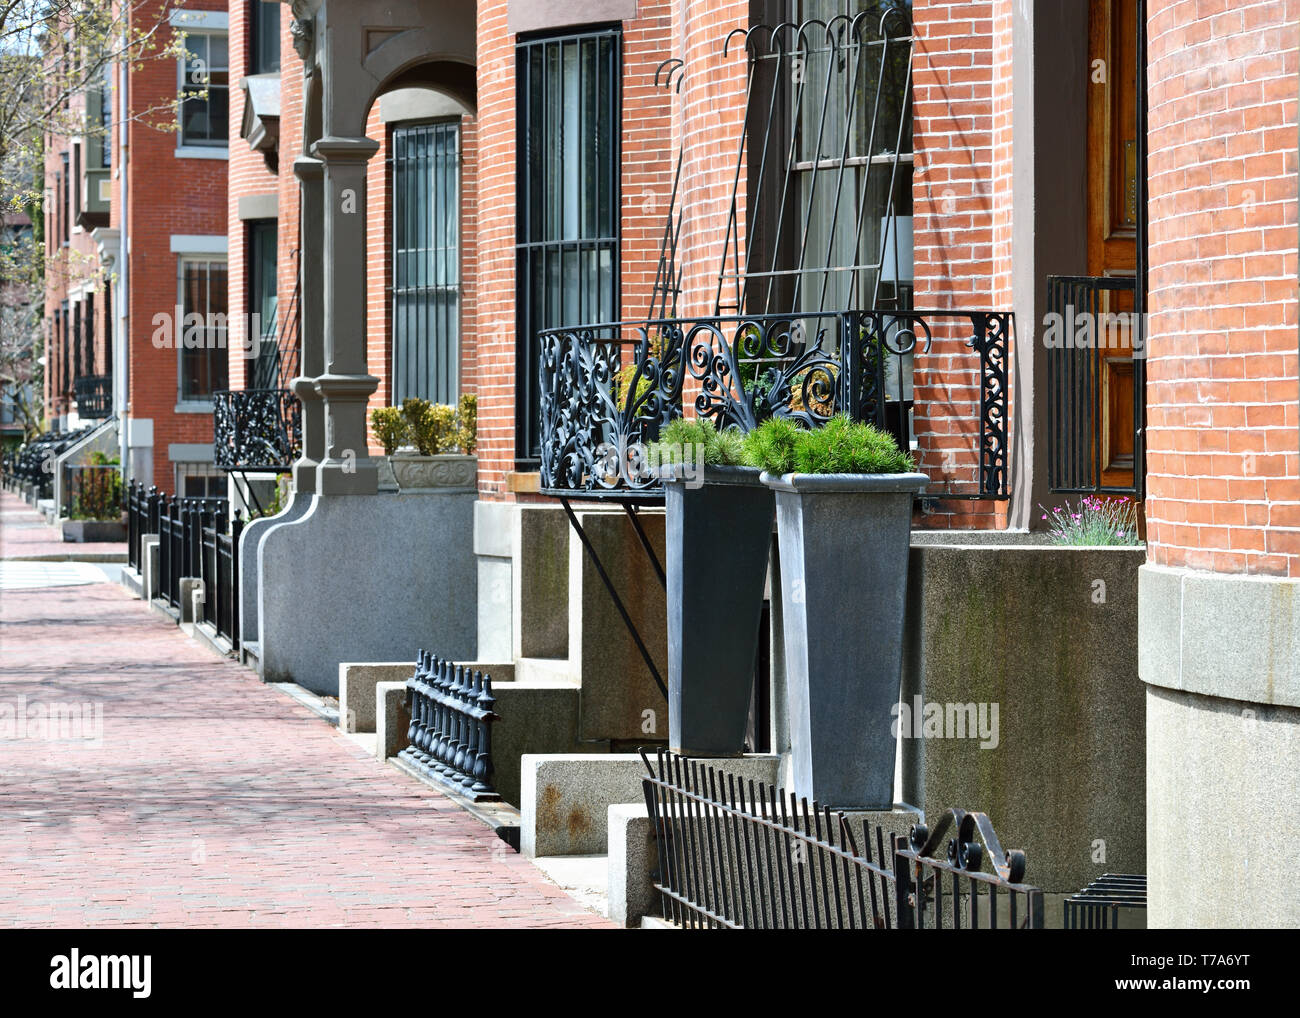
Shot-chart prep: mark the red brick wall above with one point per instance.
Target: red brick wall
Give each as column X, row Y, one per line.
column 166, row 195
column 248, row 174
column 649, row 154
column 961, row 231
column 1223, row 480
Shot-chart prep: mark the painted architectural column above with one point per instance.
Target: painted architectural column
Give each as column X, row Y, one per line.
column 311, row 362
column 345, row 386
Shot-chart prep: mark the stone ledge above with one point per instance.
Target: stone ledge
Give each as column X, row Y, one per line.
column 1231, row 636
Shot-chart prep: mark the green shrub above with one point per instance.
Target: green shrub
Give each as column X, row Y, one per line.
column 431, row 426
column 772, row 444
column 721, row 448
column 390, row 428
column 841, row 446
column 467, row 422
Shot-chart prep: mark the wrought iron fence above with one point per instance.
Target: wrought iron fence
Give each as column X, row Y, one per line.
column 450, row 734
column 220, row 572
column 140, row 512
column 256, row 429
column 94, row 395
column 180, row 541
column 1103, row 903
column 92, row 492
column 737, row 854
column 1096, row 382
column 34, row 462
column 608, row 389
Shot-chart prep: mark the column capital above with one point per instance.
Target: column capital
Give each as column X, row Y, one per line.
column 344, row 150
column 308, row 168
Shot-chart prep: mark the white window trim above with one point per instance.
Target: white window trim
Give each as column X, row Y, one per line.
column 198, row 245
column 201, row 152
column 200, row 23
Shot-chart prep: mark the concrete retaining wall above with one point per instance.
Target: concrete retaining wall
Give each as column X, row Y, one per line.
column 1048, row 636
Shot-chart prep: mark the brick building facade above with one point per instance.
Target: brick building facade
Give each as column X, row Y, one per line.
column 145, row 234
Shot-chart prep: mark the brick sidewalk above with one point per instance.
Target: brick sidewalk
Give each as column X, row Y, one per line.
column 24, row 534
column 215, row 801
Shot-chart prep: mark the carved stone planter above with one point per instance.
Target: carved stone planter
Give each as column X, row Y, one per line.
column 844, row 542
column 719, row 533
column 445, row 473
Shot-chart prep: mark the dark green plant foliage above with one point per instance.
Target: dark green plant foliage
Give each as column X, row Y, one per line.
column 841, row 446
column 721, row 448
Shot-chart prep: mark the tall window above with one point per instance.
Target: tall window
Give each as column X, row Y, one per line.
column 262, row 301
column 204, row 89
column 265, row 22
column 567, row 227
column 201, row 342
column 426, row 261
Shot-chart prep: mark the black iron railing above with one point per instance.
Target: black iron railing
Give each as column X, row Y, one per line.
column 92, row 492
column 256, row 429
column 606, row 390
column 34, row 462
column 141, row 511
column 180, row 541
column 94, row 395
column 450, row 734
column 736, row 854
column 1103, row 903
column 220, row 572
column 1096, row 385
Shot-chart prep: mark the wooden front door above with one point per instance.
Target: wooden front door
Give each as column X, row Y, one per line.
column 1115, row 155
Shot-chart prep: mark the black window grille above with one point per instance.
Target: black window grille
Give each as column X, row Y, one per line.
column 200, row 336
column 205, row 90
column 567, row 225
column 425, row 296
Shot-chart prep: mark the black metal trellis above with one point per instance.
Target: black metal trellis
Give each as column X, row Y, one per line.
column 739, row 854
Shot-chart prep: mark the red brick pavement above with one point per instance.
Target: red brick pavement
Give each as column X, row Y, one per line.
column 216, row 801
column 24, row 534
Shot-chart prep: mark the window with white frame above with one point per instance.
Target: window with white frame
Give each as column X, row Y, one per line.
column 205, row 90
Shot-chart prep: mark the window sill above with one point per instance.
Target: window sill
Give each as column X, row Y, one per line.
column 200, row 152
column 193, row 408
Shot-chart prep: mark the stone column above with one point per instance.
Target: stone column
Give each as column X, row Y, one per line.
column 311, row 362
column 345, row 386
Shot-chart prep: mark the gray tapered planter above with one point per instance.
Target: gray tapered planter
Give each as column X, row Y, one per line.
column 844, row 548
column 718, row 536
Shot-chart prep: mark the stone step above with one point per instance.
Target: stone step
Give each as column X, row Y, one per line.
column 547, row 671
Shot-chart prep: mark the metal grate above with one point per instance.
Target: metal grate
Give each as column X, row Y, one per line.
column 824, row 163
column 1084, row 414
column 425, row 292
column 567, row 227
column 1107, row 901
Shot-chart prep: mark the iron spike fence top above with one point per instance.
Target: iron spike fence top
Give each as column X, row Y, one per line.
column 775, row 860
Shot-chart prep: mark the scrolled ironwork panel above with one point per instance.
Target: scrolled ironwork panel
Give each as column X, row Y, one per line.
column 256, row 429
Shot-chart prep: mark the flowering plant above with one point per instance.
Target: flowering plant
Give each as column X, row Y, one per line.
column 1095, row 521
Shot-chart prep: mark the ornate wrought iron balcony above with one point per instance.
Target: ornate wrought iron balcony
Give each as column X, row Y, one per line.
column 256, row 429
column 607, row 389
column 94, row 395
